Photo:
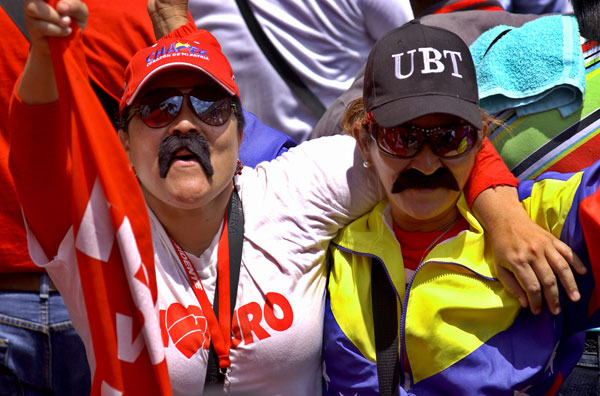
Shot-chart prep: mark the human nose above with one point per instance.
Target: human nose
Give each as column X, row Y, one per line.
column 426, row 160
column 186, row 121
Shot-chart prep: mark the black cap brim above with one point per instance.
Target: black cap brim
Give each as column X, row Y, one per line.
column 402, row 110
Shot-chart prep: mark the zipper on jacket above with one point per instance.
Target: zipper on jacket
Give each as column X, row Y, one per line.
column 405, row 305
column 399, row 300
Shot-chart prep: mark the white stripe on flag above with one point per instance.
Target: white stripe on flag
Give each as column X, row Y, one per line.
column 142, row 297
column 107, row 390
column 96, row 236
column 129, row 349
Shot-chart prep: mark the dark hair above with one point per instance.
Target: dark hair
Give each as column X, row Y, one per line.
column 122, row 122
column 109, row 104
column 239, row 113
column 587, row 13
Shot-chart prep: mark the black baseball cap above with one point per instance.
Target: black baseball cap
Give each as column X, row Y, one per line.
column 415, row 70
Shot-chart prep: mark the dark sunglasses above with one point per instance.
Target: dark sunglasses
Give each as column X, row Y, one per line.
column 406, row 141
column 160, row 107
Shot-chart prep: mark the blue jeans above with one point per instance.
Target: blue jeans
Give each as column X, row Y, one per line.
column 40, row 352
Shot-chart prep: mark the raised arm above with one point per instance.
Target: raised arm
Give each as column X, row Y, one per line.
column 37, row 84
column 39, row 156
column 167, row 15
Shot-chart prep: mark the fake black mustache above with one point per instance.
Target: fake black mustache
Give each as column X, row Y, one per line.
column 194, row 143
column 413, row 178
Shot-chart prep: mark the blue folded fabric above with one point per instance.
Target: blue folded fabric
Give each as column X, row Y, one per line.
column 533, row 68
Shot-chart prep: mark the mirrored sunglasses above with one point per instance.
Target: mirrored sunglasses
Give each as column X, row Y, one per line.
column 406, row 141
column 160, row 107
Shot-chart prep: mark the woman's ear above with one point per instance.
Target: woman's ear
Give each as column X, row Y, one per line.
column 484, row 129
column 124, row 138
column 240, row 138
column 481, row 135
column 358, row 132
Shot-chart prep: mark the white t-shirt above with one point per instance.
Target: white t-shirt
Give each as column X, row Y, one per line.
column 292, row 207
column 325, row 41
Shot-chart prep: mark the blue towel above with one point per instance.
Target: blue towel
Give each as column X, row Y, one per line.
column 536, row 67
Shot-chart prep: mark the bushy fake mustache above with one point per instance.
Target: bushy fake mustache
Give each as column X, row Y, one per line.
column 194, row 143
column 412, row 178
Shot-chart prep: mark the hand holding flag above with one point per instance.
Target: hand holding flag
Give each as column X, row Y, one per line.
column 109, row 219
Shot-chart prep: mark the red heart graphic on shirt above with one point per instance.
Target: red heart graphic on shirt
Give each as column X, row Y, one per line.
column 187, row 328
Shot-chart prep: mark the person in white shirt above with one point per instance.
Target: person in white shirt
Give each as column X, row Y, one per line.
column 324, row 42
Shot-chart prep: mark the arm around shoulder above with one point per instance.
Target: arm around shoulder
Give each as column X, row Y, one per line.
column 528, row 259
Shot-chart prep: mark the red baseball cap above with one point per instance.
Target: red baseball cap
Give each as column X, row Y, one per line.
column 198, row 51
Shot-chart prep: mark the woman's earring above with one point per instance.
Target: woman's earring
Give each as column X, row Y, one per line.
column 239, row 167
column 367, row 164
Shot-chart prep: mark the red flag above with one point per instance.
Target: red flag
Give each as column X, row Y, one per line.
column 113, row 240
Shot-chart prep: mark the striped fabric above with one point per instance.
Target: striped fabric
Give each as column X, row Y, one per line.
column 466, row 5
column 546, row 141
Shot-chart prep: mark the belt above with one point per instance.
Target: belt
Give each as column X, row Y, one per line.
column 590, row 357
column 24, row 281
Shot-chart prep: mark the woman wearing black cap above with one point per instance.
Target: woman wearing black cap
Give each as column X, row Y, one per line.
column 414, row 303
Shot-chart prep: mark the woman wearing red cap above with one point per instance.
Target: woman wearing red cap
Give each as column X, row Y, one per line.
column 181, row 132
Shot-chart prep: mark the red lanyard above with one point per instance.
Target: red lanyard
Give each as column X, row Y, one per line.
column 220, row 330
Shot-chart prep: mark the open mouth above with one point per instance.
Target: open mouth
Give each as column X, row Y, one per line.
column 189, row 157
column 185, row 155
column 183, row 152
